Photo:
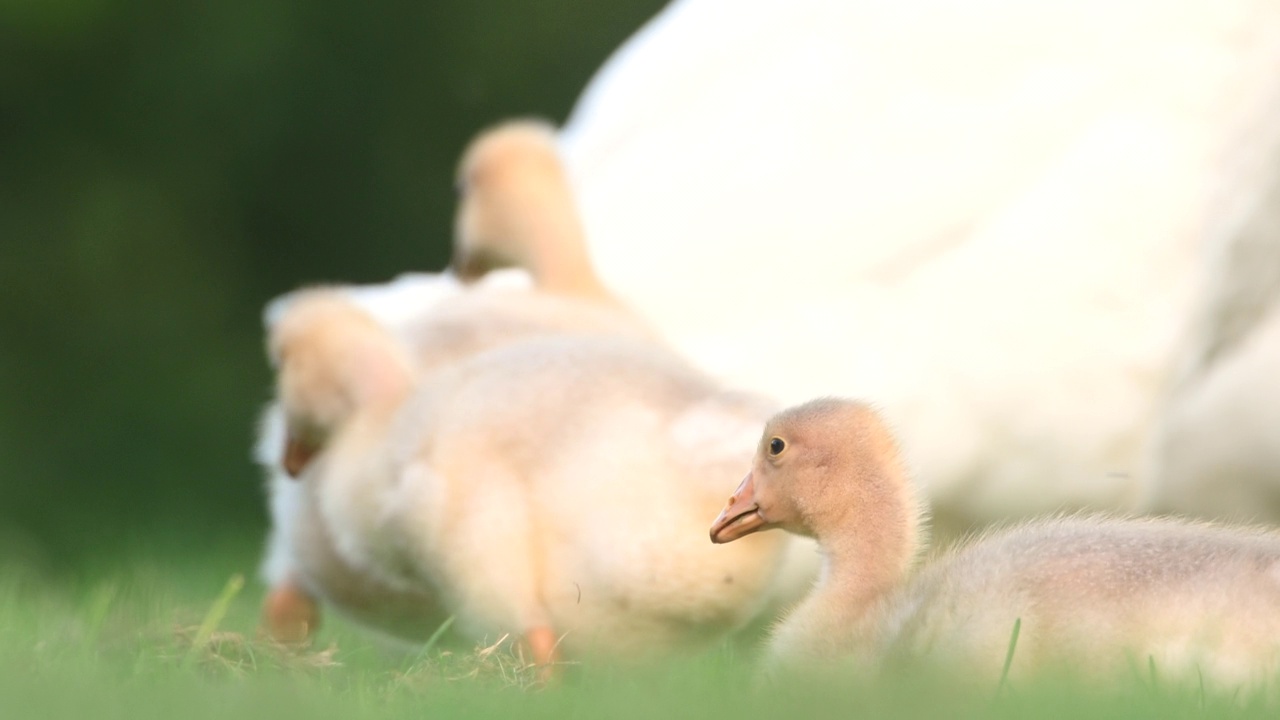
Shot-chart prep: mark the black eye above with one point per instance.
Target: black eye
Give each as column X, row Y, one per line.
column 776, row 446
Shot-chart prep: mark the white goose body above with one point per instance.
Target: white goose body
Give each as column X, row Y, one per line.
column 986, row 217
column 1216, row 453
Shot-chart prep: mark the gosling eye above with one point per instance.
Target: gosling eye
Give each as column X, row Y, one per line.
column 776, row 446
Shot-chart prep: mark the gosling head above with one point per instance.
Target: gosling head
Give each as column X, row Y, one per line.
column 332, row 359
column 510, row 183
column 817, row 464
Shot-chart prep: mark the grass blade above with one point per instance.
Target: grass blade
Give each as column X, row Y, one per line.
column 99, row 605
column 1008, row 655
column 432, row 641
column 213, row 617
column 439, row 633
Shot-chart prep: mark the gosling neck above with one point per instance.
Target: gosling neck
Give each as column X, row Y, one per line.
column 556, row 249
column 560, row 263
column 869, row 541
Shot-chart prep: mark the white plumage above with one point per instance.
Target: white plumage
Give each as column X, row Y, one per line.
column 986, row 217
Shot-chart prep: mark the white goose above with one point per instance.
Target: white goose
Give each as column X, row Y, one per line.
column 1217, row 451
column 985, row 216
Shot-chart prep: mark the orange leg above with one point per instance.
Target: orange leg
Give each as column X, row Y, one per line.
column 290, row 614
column 542, row 642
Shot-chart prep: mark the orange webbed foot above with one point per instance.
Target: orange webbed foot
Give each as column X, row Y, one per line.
column 290, row 615
column 543, row 646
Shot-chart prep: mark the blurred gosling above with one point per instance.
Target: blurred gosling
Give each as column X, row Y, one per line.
column 553, row 488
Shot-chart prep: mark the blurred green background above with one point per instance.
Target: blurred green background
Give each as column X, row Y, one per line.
column 165, row 169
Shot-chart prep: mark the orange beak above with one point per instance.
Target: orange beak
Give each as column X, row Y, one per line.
column 297, row 454
column 741, row 516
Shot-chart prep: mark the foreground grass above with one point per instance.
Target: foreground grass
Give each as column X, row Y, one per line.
column 150, row 636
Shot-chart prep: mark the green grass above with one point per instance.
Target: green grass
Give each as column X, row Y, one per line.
column 173, row 636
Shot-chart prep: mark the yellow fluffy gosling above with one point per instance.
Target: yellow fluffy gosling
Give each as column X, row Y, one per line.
column 554, row 488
